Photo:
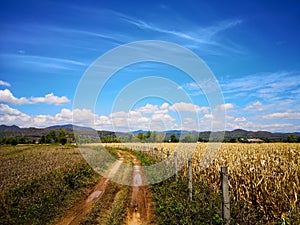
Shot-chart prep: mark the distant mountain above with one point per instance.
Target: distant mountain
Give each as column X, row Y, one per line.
column 36, row 133
column 138, row 131
column 69, row 126
column 257, row 134
column 15, row 131
column 33, row 133
column 13, row 128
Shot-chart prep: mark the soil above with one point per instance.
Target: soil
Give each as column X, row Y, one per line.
column 75, row 215
column 139, row 210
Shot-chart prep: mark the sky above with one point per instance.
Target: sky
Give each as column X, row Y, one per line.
column 251, row 48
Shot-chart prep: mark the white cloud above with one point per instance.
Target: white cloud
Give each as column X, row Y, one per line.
column 190, row 124
column 241, row 119
column 255, row 106
column 164, row 106
column 11, row 116
column 4, row 83
column 5, row 109
column 50, row 99
column 161, row 119
column 226, row 106
column 188, row 107
column 148, row 109
column 283, row 115
column 7, row 97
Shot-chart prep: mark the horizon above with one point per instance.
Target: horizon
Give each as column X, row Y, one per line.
column 252, row 51
column 134, row 131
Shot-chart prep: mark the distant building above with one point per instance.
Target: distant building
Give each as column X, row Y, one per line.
column 255, row 140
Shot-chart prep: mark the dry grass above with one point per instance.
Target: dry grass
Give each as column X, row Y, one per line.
column 22, row 163
column 265, row 177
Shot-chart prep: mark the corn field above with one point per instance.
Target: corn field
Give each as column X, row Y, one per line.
column 262, row 176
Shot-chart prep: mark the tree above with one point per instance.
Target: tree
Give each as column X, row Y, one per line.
column 22, row 140
column 291, row 138
column 141, row 136
column 174, row 138
column 189, row 138
column 62, row 136
column 51, row 137
column 43, row 139
column 14, row 142
column 148, row 134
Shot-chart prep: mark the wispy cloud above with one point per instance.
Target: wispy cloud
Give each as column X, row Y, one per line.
column 4, row 83
column 43, row 61
column 257, row 106
column 65, row 30
column 147, row 26
column 284, row 115
column 198, row 35
column 276, row 86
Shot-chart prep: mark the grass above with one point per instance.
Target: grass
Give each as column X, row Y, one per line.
column 263, row 178
column 174, row 207
column 172, row 204
column 43, row 193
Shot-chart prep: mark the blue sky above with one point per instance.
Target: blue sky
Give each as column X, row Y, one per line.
column 252, row 48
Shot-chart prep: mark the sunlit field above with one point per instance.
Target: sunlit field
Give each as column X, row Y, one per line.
column 262, row 177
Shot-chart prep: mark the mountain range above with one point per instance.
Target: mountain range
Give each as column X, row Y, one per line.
column 36, row 133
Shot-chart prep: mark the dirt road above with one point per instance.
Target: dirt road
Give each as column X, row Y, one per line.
column 75, row 215
column 139, row 210
column 139, row 207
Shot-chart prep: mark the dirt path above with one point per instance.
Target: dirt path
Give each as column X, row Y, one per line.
column 75, row 215
column 139, row 211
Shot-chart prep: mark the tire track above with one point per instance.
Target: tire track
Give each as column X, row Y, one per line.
column 75, row 215
column 139, row 211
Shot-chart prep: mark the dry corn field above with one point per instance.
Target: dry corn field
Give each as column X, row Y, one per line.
column 264, row 176
column 24, row 163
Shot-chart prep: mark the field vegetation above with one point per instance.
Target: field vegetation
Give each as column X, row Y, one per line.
column 39, row 182
column 263, row 178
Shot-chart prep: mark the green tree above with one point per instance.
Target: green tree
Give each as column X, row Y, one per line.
column 189, row 138
column 51, row 137
column 43, row 139
column 291, row 138
column 62, row 136
column 148, row 134
column 71, row 137
column 174, row 138
column 140, row 136
column 22, row 140
column 14, row 141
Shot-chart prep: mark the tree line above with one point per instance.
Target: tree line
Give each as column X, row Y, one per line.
column 53, row 136
column 62, row 137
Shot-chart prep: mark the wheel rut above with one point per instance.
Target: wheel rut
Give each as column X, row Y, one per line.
column 139, row 210
column 78, row 212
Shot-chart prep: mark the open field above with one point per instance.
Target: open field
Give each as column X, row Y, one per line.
column 264, row 178
column 38, row 182
column 53, row 184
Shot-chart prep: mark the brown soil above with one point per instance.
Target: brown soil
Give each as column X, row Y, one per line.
column 75, row 215
column 139, row 210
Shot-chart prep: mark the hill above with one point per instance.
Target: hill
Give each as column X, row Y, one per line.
column 33, row 133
